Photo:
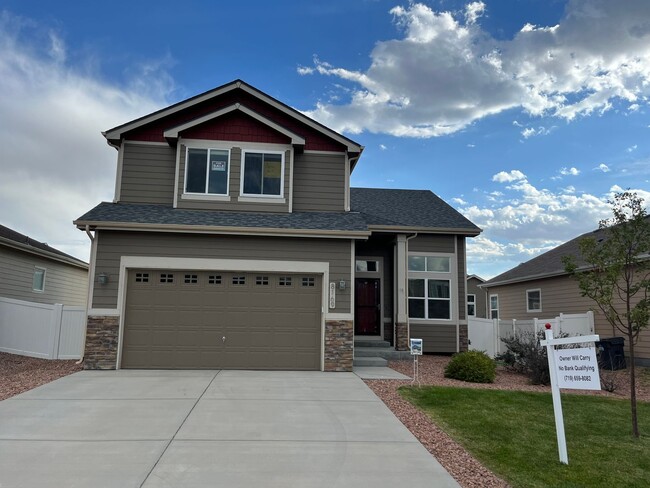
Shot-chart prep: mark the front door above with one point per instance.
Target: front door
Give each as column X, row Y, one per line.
column 367, row 310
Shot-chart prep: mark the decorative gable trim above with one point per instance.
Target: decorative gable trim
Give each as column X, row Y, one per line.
column 114, row 135
column 173, row 133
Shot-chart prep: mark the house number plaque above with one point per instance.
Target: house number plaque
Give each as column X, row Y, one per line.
column 332, row 295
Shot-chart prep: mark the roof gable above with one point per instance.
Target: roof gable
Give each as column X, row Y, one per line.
column 152, row 127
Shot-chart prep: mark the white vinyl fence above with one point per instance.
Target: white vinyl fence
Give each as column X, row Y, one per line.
column 486, row 334
column 41, row 330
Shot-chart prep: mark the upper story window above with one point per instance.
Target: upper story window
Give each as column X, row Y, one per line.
column 262, row 173
column 431, row 264
column 207, row 171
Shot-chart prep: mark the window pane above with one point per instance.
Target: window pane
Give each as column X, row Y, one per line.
column 416, row 288
column 416, row 263
column 471, row 298
column 438, row 264
column 218, row 172
column 439, row 309
column 494, row 314
column 38, row 282
column 253, row 173
column 534, row 300
column 196, row 161
column 416, row 308
column 494, row 302
column 470, row 310
column 362, row 266
column 272, row 174
column 438, row 289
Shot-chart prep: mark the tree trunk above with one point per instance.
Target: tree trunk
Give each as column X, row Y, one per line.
column 635, row 421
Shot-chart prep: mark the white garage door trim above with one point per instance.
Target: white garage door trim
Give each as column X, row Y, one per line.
column 203, row 264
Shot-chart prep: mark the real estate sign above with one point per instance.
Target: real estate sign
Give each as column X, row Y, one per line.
column 577, row 369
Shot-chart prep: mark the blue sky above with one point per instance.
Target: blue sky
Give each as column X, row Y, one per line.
column 524, row 115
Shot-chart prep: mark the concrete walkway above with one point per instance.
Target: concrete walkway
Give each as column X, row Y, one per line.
column 193, row 429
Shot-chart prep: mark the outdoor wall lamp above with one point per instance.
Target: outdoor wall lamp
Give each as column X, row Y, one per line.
column 102, row 279
column 342, row 285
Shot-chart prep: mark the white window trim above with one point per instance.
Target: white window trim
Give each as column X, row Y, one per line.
column 473, row 302
column 44, row 270
column 450, row 276
column 540, row 300
column 261, row 198
column 490, row 304
column 207, row 196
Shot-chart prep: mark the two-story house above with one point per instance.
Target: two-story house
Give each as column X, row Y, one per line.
column 235, row 241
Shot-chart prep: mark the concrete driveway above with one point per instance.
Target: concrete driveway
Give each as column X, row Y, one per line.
column 157, row 429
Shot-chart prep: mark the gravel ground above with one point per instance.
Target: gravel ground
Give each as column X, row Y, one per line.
column 22, row 373
column 460, row 464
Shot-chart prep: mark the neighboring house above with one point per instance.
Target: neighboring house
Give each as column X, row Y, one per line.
column 32, row 271
column 541, row 288
column 235, row 241
column 476, row 297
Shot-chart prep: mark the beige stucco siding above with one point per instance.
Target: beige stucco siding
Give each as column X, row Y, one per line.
column 63, row 283
column 147, row 174
column 559, row 295
column 113, row 245
column 319, row 182
column 234, row 181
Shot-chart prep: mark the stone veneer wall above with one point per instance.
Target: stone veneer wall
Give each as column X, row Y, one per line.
column 402, row 336
column 339, row 340
column 463, row 344
column 101, row 342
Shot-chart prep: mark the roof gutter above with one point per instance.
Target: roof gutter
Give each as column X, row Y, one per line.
column 41, row 252
column 425, row 230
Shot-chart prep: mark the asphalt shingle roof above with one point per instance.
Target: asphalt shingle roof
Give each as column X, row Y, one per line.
column 17, row 237
column 160, row 214
column 407, row 208
column 399, row 208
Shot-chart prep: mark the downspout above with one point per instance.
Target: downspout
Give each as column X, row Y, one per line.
column 91, row 274
column 404, row 284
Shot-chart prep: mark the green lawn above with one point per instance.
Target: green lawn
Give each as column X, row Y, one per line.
column 513, row 434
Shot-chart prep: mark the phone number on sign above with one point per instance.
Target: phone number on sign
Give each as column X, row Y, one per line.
column 576, row 377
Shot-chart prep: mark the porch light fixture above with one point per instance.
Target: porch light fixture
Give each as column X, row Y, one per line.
column 342, row 285
column 102, row 279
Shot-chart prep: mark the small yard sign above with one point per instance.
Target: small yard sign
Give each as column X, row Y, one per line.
column 416, row 346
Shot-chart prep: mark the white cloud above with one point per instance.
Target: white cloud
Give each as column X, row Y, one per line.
column 382, row 147
column 444, row 71
column 540, row 131
column 528, row 132
column 632, row 148
column 459, row 201
column 504, row 177
column 471, row 145
column 603, row 167
column 55, row 163
column 570, row 171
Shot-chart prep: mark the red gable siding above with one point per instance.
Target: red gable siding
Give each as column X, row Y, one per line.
column 236, row 126
column 314, row 140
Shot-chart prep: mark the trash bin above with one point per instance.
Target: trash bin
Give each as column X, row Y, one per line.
column 611, row 354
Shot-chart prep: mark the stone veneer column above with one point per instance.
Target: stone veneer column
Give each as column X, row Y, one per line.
column 462, row 338
column 339, row 341
column 101, row 342
column 402, row 336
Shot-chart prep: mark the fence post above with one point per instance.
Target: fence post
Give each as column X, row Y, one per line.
column 496, row 336
column 55, row 333
column 560, row 321
column 535, row 326
column 590, row 317
column 514, row 327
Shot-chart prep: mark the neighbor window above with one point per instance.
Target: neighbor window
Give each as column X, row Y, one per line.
column 262, row 173
column 494, row 306
column 471, row 305
column 38, row 281
column 534, row 300
column 206, row 171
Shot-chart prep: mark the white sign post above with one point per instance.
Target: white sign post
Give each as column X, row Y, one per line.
column 569, row 368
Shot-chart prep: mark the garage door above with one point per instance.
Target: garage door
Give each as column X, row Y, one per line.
column 212, row 320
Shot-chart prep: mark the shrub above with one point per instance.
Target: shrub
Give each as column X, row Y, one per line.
column 526, row 356
column 472, row 366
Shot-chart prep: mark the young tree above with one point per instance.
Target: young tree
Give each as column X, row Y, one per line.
column 614, row 271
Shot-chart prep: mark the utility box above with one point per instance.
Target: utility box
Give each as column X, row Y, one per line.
column 611, row 353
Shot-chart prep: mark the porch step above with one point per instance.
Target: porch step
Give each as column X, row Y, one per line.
column 383, row 352
column 370, row 362
column 370, row 343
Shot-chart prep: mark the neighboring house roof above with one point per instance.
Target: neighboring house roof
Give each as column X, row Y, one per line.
column 152, row 217
column 11, row 238
column 114, row 135
column 416, row 210
column 546, row 265
column 476, row 277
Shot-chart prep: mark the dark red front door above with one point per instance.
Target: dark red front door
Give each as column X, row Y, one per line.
column 367, row 310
